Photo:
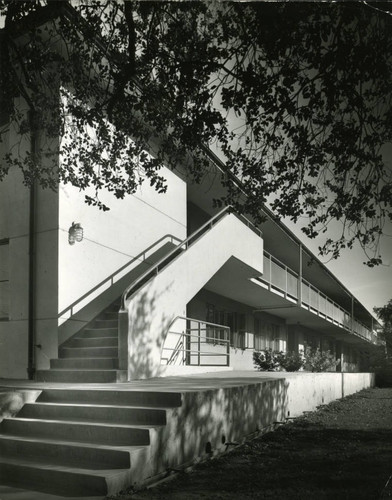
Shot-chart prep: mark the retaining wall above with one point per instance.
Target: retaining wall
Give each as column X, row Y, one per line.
column 213, row 419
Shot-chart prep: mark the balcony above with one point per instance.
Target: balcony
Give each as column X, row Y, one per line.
column 283, row 281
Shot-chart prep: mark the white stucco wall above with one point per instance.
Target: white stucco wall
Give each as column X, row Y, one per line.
column 63, row 273
column 15, row 225
column 153, row 308
column 113, row 238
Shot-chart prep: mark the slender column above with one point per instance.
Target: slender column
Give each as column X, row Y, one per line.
column 198, row 344
column 299, row 284
column 32, row 242
column 352, row 314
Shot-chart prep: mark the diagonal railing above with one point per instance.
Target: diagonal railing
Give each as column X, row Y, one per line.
column 179, row 348
column 184, row 245
column 117, row 275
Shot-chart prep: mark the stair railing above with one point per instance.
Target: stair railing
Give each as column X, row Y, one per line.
column 118, row 274
column 199, row 342
column 184, row 245
column 180, row 348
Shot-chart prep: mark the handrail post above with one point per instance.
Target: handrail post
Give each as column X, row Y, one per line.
column 198, row 344
column 286, row 284
column 228, row 347
column 352, row 314
column 299, row 284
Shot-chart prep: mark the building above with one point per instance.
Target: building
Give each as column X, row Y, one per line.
column 217, row 268
column 161, row 284
column 197, row 289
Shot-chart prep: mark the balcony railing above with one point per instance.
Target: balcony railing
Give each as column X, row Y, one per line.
column 282, row 280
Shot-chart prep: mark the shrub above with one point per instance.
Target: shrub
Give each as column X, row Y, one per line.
column 291, row 361
column 312, row 359
column 269, row 360
column 266, row 361
column 317, row 360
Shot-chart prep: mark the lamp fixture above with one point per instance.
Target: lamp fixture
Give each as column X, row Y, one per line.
column 75, row 233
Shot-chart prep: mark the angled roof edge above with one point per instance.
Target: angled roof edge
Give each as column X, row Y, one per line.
column 55, row 9
column 221, row 166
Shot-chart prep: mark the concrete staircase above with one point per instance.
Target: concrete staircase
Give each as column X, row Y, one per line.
column 91, row 356
column 77, row 441
column 82, row 442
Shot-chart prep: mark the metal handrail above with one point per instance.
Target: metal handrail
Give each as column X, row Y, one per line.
column 287, row 269
column 176, row 351
column 140, row 257
column 162, row 263
column 187, row 334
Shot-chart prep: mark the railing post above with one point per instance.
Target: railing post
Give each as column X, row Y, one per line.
column 270, row 270
column 299, row 284
column 198, row 343
column 352, row 314
column 228, row 347
column 188, row 342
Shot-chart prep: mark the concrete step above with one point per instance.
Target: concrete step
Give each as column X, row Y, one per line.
column 142, row 398
column 88, row 352
column 89, row 413
column 111, row 314
column 105, row 323
column 98, row 433
column 60, row 480
column 82, row 455
column 81, row 376
column 85, row 363
column 97, row 332
column 94, row 342
column 111, row 330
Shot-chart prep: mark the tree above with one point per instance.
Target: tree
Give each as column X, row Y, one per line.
column 295, row 97
column 384, row 314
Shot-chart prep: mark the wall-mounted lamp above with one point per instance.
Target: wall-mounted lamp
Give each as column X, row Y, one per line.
column 75, row 233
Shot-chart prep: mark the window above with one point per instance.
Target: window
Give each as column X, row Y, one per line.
column 214, row 334
column 260, row 340
column 269, row 336
column 238, row 332
column 235, row 321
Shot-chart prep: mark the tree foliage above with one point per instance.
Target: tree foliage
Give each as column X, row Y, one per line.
column 295, row 97
column 384, row 314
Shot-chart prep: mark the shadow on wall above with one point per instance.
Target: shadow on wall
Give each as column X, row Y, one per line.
column 145, row 344
column 212, row 420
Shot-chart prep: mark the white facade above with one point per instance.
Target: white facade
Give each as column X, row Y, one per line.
column 50, row 289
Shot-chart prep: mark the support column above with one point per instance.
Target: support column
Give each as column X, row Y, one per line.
column 299, row 284
column 352, row 314
column 339, row 356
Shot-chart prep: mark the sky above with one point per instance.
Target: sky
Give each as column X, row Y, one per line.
column 371, row 286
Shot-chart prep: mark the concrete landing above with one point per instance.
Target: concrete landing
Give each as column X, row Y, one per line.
column 7, row 493
column 214, row 411
column 195, row 382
